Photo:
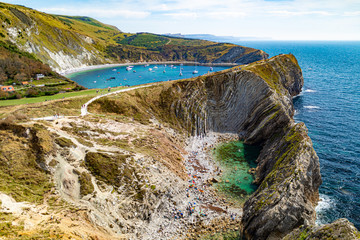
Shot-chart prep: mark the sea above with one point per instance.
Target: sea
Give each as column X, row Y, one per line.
column 329, row 105
column 139, row 74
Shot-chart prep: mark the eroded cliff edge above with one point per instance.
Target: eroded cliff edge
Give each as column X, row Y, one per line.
column 255, row 102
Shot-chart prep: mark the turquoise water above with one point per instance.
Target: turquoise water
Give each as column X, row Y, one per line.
column 330, row 108
column 119, row 76
column 236, row 158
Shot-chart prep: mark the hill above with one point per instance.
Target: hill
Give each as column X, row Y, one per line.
column 67, row 42
column 20, row 70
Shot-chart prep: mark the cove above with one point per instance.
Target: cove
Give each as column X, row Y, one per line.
column 236, row 159
column 139, row 74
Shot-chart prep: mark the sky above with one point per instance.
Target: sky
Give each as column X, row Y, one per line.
column 263, row 19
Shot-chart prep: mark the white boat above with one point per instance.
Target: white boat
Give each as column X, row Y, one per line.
column 94, row 81
column 146, row 65
column 128, row 68
column 114, row 70
column 195, row 71
column 155, row 67
column 150, row 69
column 180, row 74
column 211, row 69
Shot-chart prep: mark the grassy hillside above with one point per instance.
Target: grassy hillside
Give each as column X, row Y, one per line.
column 66, row 42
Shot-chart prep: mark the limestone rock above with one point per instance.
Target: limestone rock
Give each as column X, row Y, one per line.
column 339, row 229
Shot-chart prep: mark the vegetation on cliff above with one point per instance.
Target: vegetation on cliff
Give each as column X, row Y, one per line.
column 339, row 229
column 22, row 152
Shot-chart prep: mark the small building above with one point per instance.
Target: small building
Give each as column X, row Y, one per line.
column 7, row 88
column 25, row 83
column 38, row 76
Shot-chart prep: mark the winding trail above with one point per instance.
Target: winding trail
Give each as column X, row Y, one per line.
column 84, row 110
column 84, row 107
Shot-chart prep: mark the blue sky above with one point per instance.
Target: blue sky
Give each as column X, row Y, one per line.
column 271, row 19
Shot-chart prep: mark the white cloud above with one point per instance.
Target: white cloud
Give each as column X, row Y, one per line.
column 182, row 15
column 99, row 12
column 225, row 14
column 352, row 14
column 300, row 13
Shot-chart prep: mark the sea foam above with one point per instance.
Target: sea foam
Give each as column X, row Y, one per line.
column 324, row 203
column 312, row 107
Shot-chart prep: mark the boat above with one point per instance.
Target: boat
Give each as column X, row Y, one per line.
column 94, row 81
column 155, row 67
column 134, row 71
column 180, row 74
column 195, row 71
column 146, row 65
column 164, row 71
column 150, row 69
column 128, row 68
column 211, row 69
column 114, row 70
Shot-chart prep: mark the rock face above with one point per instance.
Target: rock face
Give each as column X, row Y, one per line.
column 340, row 229
column 256, row 103
column 241, row 55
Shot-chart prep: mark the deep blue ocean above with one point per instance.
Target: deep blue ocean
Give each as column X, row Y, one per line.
column 329, row 105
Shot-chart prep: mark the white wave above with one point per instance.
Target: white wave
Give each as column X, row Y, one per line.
column 312, row 107
column 310, row 90
column 324, row 203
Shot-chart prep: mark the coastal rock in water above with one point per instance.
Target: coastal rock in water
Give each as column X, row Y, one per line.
column 340, row 229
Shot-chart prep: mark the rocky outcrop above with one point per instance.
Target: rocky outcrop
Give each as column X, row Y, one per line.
column 256, row 103
column 340, row 229
column 242, row 55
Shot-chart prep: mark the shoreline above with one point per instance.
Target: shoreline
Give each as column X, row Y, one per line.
column 110, row 65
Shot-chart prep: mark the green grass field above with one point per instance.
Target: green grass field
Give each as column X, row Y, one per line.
column 90, row 92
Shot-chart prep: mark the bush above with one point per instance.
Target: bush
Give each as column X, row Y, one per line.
column 31, row 92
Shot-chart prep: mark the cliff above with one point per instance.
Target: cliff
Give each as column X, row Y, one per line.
column 67, row 42
column 339, row 229
column 256, row 103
